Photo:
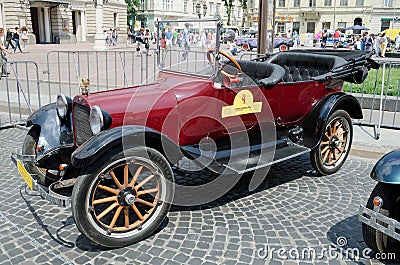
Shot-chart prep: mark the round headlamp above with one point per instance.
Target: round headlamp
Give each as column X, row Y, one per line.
column 61, row 106
column 96, row 119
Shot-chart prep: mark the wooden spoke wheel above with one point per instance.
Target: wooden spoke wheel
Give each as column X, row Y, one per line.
column 126, row 200
column 329, row 155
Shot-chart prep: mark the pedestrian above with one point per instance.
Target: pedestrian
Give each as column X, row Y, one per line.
column 233, row 48
column 180, row 37
column 203, row 40
column 324, row 38
column 168, row 38
column 3, row 56
column 129, row 36
column 175, row 37
column 384, row 43
column 398, row 41
column 367, row 40
column 336, row 38
column 146, row 40
column 139, row 39
column 295, row 39
column 16, row 40
column 185, row 40
column 377, row 45
column 363, row 41
column 9, row 37
column 24, row 37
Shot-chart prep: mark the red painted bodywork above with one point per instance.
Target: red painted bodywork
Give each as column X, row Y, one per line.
column 187, row 108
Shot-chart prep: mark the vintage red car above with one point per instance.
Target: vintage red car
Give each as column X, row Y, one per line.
column 116, row 147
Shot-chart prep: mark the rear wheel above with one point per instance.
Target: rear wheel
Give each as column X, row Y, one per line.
column 376, row 240
column 329, row 155
column 125, row 200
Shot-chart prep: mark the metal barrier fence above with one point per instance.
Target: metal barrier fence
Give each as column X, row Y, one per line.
column 28, row 88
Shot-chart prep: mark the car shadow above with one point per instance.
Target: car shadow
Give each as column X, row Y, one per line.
column 278, row 174
column 347, row 239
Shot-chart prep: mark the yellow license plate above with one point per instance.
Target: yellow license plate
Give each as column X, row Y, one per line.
column 25, row 174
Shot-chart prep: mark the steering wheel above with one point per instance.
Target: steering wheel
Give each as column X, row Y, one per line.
column 228, row 78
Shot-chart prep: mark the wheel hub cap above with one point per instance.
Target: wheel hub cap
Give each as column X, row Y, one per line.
column 127, row 196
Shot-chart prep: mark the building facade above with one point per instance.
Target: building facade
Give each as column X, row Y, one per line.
column 61, row 21
column 151, row 10
column 311, row 16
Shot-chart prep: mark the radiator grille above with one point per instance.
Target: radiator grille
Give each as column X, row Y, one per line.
column 81, row 124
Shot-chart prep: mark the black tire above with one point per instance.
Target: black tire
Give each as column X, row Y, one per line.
column 29, row 148
column 374, row 239
column 87, row 210
column 330, row 154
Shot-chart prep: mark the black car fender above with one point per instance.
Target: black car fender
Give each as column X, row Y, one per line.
column 49, row 129
column 387, row 169
column 315, row 121
column 115, row 140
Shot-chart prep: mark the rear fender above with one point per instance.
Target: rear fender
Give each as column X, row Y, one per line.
column 102, row 146
column 49, row 129
column 387, row 169
column 315, row 122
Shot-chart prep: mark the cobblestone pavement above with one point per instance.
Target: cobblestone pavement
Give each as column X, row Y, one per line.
column 292, row 209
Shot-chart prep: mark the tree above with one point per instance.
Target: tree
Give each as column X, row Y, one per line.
column 243, row 5
column 228, row 5
column 133, row 6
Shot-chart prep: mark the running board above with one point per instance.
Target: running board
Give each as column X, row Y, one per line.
column 253, row 163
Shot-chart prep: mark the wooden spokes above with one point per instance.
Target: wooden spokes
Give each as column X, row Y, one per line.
column 333, row 144
column 108, row 203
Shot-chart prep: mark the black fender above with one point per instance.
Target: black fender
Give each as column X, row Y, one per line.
column 115, row 140
column 52, row 132
column 387, row 169
column 315, row 121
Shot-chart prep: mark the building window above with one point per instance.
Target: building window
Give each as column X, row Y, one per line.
column 116, row 24
column 211, row 8
column 359, row 2
column 326, row 25
column 185, row 6
column 388, row 3
column 344, row 2
column 328, row 2
column 194, row 7
column 385, row 24
column 143, row 4
column 280, row 27
column 310, row 27
column 239, row 12
column 167, row 5
column 282, row 3
column 218, row 10
column 342, row 25
column 311, row 3
column 296, row 3
column 296, row 27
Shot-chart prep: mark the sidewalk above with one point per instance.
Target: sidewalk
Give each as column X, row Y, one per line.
column 365, row 145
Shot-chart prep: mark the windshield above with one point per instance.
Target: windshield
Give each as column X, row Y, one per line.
column 186, row 45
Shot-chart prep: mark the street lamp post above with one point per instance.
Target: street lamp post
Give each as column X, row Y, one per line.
column 99, row 38
column 198, row 11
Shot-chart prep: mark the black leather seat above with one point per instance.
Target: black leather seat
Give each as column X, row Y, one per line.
column 262, row 73
column 304, row 66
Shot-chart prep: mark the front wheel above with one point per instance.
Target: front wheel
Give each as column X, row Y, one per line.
column 125, row 200
column 329, row 155
column 376, row 240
